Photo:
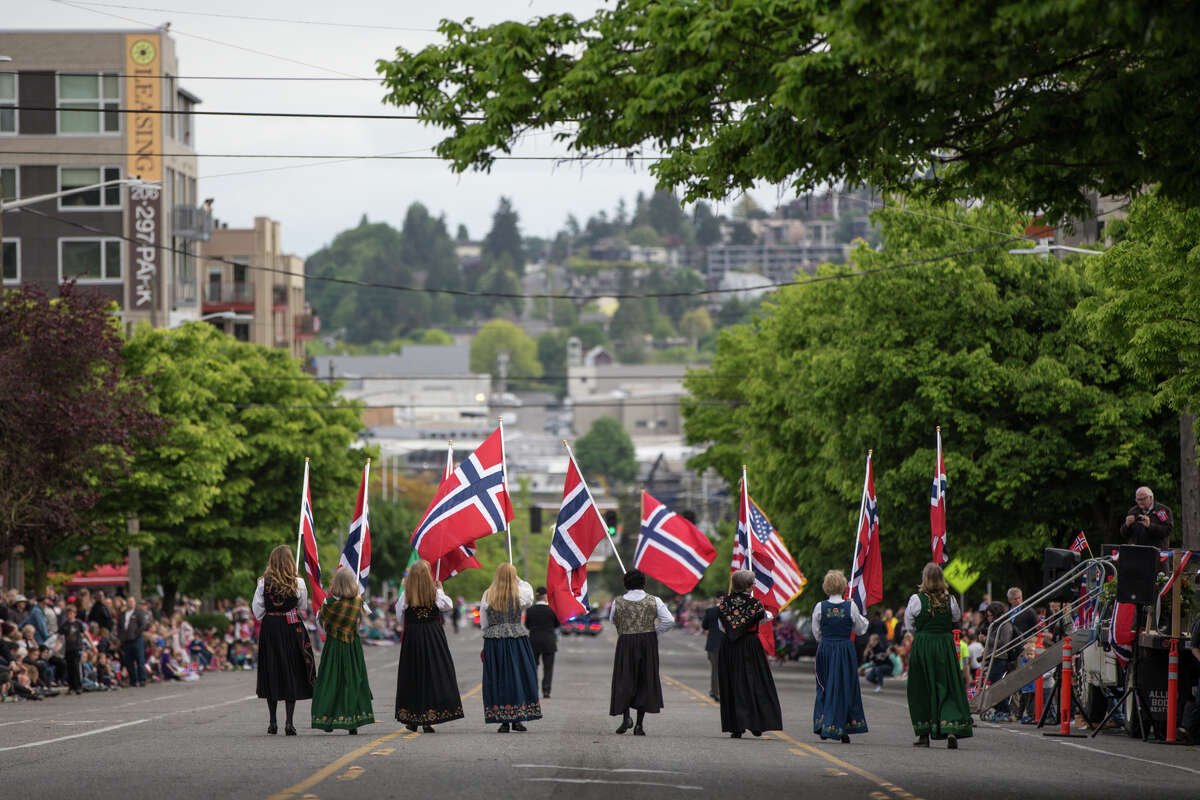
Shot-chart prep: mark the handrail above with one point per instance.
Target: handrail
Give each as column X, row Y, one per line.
column 1066, row 613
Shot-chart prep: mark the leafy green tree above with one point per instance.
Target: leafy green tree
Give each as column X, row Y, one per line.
column 708, row 227
column 675, row 284
column 1044, row 430
column 370, row 252
column 742, row 233
column 1012, row 100
column 552, row 355
column 664, row 213
column 606, row 451
column 644, row 236
column 461, row 235
column 504, row 239
column 590, row 334
column 696, row 324
column 501, row 336
column 223, row 486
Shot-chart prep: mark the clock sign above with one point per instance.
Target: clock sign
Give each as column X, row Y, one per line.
column 142, row 52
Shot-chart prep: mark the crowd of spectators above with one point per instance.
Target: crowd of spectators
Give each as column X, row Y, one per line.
column 92, row 642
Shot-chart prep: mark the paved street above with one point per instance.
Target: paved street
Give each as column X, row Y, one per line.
column 207, row 739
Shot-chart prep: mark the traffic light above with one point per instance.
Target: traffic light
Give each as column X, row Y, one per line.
column 610, row 520
column 535, row 519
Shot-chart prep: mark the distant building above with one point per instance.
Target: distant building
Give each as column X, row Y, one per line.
column 256, row 305
column 134, row 244
column 776, row 262
column 644, row 398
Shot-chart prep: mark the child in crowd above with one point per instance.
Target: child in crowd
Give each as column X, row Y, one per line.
column 220, row 654
column 107, row 673
column 88, row 669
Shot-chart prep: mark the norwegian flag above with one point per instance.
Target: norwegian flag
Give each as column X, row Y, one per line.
column 937, row 507
column 473, row 502
column 357, row 552
column 866, row 571
column 306, row 543
column 462, row 557
column 1080, row 544
column 577, row 531
column 671, row 549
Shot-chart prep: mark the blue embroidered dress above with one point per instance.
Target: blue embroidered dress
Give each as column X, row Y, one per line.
column 838, row 710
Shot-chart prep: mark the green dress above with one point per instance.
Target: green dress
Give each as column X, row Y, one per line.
column 341, row 695
column 937, row 698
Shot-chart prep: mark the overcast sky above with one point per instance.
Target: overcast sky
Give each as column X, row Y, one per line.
column 314, row 202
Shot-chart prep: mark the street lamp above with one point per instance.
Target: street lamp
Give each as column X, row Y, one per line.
column 1044, row 248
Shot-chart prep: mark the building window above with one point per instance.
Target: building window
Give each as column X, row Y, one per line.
column 89, row 260
column 89, row 103
column 9, row 190
column 77, row 177
column 241, row 331
column 8, row 102
column 183, row 120
column 11, row 249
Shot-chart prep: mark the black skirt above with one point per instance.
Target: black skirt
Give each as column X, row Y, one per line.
column 635, row 681
column 749, row 701
column 286, row 670
column 426, row 686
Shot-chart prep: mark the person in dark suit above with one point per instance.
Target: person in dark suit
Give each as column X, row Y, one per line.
column 543, row 626
column 712, row 646
column 131, row 625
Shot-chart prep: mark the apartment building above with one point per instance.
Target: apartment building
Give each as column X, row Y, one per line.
column 77, row 110
column 253, row 290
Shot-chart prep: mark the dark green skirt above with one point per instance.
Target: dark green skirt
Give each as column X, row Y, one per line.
column 342, row 696
column 937, row 698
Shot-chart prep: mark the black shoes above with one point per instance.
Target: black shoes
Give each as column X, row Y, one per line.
column 951, row 742
column 923, row 741
column 354, row 731
column 503, row 728
column 735, row 735
column 757, row 733
column 272, row 729
column 519, row 727
column 845, row 740
column 626, row 724
column 427, row 729
column 412, row 726
column 638, row 730
column 289, row 730
column 545, row 694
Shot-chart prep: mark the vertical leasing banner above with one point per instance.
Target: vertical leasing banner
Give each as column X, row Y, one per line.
column 144, row 144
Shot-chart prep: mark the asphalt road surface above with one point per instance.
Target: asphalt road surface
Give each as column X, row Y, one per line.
column 207, row 739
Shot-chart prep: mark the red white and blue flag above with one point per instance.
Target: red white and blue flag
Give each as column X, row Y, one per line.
column 462, row 557
column 937, row 507
column 670, row 549
column 357, row 552
column 307, row 545
column 577, row 531
column 777, row 578
column 472, row 503
column 866, row 570
column 1080, row 544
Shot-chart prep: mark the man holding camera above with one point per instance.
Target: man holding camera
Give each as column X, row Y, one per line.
column 1148, row 522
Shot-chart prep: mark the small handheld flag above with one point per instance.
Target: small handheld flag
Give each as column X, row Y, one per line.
column 1080, row 544
column 937, row 507
column 356, row 554
column 306, row 544
column 671, row 549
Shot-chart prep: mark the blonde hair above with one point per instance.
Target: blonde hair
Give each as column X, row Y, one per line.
column 834, row 582
column 344, row 585
column 503, row 591
column 932, row 580
column 281, row 571
column 418, row 586
column 741, row 581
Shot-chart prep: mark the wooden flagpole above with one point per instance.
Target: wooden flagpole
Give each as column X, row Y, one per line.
column 746, row 511
column 599, row 516
column 300, row 527
column 504, row 482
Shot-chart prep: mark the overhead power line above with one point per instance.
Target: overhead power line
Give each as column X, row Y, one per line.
column 181, row 112
column 351, row 403
column 324, row 156
column 534, row 296
column 246, row 17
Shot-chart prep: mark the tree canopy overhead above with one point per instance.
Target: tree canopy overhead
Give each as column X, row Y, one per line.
column 1034, row 102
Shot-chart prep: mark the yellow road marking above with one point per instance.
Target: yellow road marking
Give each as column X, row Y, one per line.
column 836, row 772
column 478, row 688
column 799, row 752
column 351, row 773
column 383, row 751
column 875, row 779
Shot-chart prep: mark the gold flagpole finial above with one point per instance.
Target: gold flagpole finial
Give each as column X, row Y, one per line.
column 869, row 452
column 306, row 459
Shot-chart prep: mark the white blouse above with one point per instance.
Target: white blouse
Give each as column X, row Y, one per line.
column 442, row 601
column 258, row 606
column 914, row 608
column 665, row 620
column 860, row 622
column 524, row 600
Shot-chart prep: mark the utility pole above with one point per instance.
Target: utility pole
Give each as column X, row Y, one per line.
column 502, row 369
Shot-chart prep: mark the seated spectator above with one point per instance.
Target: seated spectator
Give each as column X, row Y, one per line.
column 882, row 665
column 199, row 652
column 106, row 674
column 87, row 668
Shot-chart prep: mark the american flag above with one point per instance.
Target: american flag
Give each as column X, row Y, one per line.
column 1080, row 544
column 866, row 570
column 307, row 545
column 356, row 554
column 473, row 502
column 937, row 507
column 463, row 557
column 777, row 578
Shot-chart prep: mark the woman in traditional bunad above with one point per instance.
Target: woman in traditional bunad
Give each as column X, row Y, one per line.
column 749, row 701
column 285, row 659
column 510, row 691
column 639, row 619
column 937, row 698
column 342, row 695
column 838, row 710
column 426, row 686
